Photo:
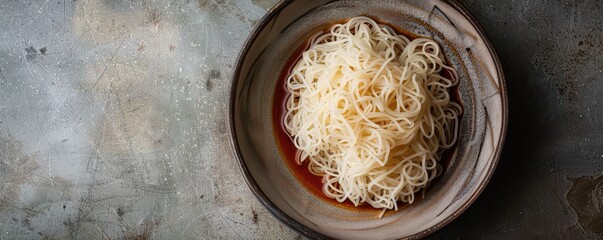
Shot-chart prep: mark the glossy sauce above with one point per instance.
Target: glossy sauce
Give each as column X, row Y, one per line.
column 289, row 152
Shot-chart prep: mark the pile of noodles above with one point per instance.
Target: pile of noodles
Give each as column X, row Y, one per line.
column 371, row 112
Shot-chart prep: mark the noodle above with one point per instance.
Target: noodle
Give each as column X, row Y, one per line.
column 372, row 113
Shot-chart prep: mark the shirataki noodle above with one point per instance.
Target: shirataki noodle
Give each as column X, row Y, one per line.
column 371, row 111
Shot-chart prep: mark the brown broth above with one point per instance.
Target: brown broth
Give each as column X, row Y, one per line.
column 289, row 152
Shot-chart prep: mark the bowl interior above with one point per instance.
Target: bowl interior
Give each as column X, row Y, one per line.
column 481, row 132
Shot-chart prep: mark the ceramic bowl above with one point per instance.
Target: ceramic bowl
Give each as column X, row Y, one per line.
column 481, row 135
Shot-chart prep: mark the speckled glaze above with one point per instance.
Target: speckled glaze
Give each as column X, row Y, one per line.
column 482, row 130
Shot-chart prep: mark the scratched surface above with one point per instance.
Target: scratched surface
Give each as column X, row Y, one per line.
column 112, row 121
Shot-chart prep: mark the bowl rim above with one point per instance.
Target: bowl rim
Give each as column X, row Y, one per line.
column 297, row 226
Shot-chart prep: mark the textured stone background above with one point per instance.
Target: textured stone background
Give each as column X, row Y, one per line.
column 112, row 121
column 549, row 182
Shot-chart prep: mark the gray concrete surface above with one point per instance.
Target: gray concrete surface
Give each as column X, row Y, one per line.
column 549, row 182
column 112, row 122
